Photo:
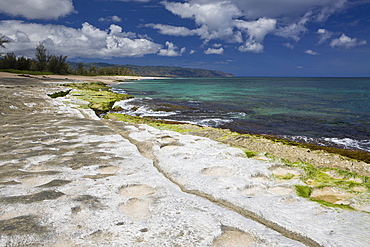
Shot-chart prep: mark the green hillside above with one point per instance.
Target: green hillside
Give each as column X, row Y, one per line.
column 162, row 71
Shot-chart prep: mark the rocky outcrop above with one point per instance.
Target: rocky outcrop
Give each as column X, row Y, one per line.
column 68, row 178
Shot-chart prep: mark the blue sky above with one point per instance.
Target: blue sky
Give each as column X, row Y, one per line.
column 243, row 37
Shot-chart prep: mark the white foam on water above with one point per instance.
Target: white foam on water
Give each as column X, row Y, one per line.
column 125, row 104
column 237, row 114
column 301, row 138
column 119, row 90
column 213, row 122
column 344, row 142
column 130, row 108
column 145, row 111
column 351, row 143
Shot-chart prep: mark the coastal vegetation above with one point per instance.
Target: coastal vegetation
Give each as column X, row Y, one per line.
column 46, row 64
column 93, row 69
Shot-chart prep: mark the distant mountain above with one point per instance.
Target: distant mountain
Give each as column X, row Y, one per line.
column 162, row 71
column 175, row 71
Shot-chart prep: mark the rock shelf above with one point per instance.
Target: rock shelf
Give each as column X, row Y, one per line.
column 68, row 178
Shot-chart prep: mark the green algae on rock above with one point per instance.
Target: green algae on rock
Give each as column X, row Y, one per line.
column 327, row 187
column 98, row 94
column 59, row 94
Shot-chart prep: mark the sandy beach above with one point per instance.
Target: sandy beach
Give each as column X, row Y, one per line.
column 69, row 178
column 105, row 79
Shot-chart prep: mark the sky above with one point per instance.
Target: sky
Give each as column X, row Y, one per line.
column 329, row 38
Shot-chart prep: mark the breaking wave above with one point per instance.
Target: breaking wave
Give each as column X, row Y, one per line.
column 346, row 143
column 130, row 107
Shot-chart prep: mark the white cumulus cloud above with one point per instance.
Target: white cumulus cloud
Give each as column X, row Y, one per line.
column 311, row 52
column 215, row 14
column 179, row 31
column 113, row 18
column 87, row 41
column 218, row 20
column 346, row 42
column 323, row 35
column 251, row 46
column 248, row 21
column 256, row 32
column 171, row 51
column 37, row 9
column 216, row 51
column 292, row 9
column 215, row 19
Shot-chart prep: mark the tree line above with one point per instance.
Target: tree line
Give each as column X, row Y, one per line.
column 46, row 62
column 93, row 70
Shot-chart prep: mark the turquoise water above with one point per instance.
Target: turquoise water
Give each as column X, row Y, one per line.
column 305, row 109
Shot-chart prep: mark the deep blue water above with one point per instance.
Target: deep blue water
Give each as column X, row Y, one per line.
column 316, row 110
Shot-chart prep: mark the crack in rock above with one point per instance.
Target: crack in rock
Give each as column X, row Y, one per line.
column 146, row 149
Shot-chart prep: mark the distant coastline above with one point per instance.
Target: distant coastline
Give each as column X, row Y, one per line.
column 159, row 71
column 81, row 78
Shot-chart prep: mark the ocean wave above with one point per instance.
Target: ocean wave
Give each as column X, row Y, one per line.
column 118, row 90
column 130, row 107
column 237, row 114
column 145, row 111
column 346, row 143
column 212, row 122
column 351, row 143
column 127, row 104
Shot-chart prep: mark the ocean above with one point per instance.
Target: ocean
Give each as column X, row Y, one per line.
column 324, row 111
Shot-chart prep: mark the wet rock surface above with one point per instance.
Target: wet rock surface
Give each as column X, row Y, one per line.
column 69, row 179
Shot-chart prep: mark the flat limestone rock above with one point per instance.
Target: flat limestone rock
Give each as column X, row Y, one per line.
column 70, row 179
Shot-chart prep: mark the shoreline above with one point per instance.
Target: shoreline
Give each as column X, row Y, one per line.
column 133, row 184
column 320, row 145
column 80, row 78
column 263, row 112
column 295, row 152
column 271, row 142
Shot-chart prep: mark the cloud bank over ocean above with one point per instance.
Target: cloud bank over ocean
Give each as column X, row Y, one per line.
column 87, row 41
